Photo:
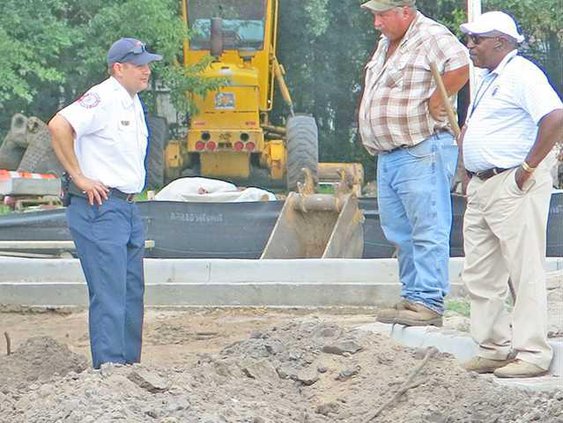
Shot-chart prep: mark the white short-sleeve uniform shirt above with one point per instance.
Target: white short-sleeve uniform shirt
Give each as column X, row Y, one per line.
column 110, row 136
column 504, row 114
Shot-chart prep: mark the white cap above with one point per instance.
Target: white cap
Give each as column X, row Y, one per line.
column 491, row 22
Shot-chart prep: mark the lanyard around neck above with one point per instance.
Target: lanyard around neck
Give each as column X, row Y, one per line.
column 482, row 90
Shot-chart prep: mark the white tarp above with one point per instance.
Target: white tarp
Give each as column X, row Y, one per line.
column 204, row 190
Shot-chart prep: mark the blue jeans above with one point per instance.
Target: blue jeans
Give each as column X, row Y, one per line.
column 110, row 243
column 416, row 215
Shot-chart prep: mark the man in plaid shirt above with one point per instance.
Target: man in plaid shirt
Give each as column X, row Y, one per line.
column 403, row 122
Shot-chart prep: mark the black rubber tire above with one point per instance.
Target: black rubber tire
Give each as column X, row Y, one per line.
column 12, row 149
column 302, row 149
column 39, row 155
column 159, row 137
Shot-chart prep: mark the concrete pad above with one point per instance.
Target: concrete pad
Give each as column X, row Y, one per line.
column 295, row 283
column 462, row 347
column 48, row 245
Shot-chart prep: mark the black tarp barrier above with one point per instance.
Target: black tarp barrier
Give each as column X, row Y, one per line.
column 237, row 230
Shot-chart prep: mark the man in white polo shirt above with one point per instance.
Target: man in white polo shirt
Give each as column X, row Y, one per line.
column 101, row 140
column 514, row 120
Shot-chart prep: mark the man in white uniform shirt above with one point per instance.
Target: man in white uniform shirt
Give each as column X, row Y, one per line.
column 513, row 123
column 101, row 140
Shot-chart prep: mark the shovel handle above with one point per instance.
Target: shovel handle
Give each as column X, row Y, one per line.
column 445, row 99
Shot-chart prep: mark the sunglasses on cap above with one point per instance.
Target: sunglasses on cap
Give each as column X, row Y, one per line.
column 138, row 49
column 477, row 39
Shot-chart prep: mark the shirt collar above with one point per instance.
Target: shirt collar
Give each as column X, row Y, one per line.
column 124, row 95
column 500, row 67
column 412, row 31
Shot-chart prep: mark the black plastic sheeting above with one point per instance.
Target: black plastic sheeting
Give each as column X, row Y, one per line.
column 237, row 230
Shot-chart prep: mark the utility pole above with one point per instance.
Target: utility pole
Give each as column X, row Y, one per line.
column 473, row 11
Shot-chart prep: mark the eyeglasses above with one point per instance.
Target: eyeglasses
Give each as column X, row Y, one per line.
column 138, row 49
column 476, row 39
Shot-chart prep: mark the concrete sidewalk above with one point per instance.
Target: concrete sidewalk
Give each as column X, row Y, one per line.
column 217, row 282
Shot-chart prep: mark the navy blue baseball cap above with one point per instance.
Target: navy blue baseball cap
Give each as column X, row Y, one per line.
column 130, row 50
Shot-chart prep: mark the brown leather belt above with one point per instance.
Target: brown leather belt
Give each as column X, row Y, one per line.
column 486, row 174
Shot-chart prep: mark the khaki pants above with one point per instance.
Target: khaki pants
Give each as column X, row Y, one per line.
column 505, row 237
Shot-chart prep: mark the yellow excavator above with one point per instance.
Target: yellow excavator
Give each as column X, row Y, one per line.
column 231, row 136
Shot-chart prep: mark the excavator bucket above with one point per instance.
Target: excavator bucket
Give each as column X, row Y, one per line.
column 317, row 226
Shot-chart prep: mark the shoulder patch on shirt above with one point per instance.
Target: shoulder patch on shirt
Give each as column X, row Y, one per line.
column 89, row 100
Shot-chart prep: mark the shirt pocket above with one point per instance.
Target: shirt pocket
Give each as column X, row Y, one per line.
column 413, row 66
column 126, row 123
column 126, row 140
column 393, row 77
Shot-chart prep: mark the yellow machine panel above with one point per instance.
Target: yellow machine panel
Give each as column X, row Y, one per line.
column 230, row 134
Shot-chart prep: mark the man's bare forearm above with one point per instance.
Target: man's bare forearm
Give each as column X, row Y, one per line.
column 62, row 138
column 455, row 80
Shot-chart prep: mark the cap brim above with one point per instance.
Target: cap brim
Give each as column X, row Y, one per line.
column 472, row 28
column 144, row 58
column 375, row 6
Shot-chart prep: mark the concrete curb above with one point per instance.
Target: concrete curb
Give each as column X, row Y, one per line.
column 462, row 347
column 201, row 282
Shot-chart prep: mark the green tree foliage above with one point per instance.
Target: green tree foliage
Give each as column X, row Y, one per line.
column 54, row 50
column 32, row 34
column 541, row 21
column 323, row 45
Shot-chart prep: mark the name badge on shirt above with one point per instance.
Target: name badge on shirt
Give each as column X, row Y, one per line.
column 127, row 122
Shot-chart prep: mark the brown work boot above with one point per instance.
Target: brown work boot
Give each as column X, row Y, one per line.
column 388, row 315
column 484, row 365
column 415, row 314
column 519, row 368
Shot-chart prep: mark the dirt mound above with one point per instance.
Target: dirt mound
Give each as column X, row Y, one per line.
column 37, row 360
column 307, row 370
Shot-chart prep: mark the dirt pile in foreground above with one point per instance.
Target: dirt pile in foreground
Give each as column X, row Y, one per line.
column 38, row 360
column 304, row 371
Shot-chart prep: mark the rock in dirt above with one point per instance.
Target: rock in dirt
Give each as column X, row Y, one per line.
column 261, row 370
column 147, row 380
column 327, row 408
column 342, row 347
column 307, row 376
column 348, row 373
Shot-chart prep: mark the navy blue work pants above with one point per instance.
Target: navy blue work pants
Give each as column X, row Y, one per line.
column 110, row 244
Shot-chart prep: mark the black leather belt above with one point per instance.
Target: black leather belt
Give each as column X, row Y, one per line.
column 72, row 189
column 114, row 192
column 401, row 147
column 486, row 174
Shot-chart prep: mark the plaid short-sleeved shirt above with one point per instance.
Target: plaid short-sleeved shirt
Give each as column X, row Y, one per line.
column 394, row 107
